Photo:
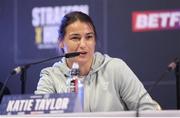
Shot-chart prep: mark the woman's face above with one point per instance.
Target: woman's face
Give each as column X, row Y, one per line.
column 79, row 37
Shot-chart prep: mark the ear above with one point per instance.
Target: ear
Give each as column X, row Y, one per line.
column 61, row 44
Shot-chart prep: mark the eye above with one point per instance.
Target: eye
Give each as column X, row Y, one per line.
column 88, row 37
column 75, row 38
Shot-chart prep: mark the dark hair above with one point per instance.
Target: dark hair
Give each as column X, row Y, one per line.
column 71, row 18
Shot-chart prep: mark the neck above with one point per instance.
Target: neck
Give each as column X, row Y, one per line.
column 83, row 67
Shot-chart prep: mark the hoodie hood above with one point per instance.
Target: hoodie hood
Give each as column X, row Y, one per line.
column 99, row 61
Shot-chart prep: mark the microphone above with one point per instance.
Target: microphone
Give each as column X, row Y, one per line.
column 23, row 69
column 19, row 69
column 171, row 66
column 72, row 54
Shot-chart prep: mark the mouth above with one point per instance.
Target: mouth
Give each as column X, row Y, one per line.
column 83, row 53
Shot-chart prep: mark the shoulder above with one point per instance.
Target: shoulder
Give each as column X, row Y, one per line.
column 51, row 73
column 105, row 58
column 48, row 70
column 57, row 68
column 116, row 63
column 108, row 62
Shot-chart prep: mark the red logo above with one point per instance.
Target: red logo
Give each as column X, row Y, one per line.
column 155, row 20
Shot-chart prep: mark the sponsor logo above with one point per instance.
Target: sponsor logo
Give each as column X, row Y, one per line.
column 46, row 21
column 155, row 20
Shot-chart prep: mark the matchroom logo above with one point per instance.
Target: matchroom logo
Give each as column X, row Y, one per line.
column 155, row 20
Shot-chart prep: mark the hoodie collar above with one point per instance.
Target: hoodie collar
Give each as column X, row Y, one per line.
column 99, row 60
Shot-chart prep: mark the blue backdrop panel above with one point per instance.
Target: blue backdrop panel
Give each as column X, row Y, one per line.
column 147, row 53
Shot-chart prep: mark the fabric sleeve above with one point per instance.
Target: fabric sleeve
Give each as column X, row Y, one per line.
column 45, row 84
column 131, row 89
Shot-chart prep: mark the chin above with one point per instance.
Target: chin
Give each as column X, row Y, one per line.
column 82, row 61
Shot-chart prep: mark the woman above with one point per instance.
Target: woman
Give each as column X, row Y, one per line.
column 109, row 84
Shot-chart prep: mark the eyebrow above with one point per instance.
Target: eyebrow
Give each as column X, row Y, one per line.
column 76, row 34
column 90, row 33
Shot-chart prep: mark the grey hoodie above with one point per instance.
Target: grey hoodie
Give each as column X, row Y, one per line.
column 110, row 85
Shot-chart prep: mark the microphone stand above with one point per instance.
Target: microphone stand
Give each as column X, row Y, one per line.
column 23, row 70
column 23, row 78
column 172, row 66
column 150, row 89
column 25, row 67
column 177, row 74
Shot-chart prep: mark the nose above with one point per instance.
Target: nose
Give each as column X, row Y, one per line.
column 83, row 43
